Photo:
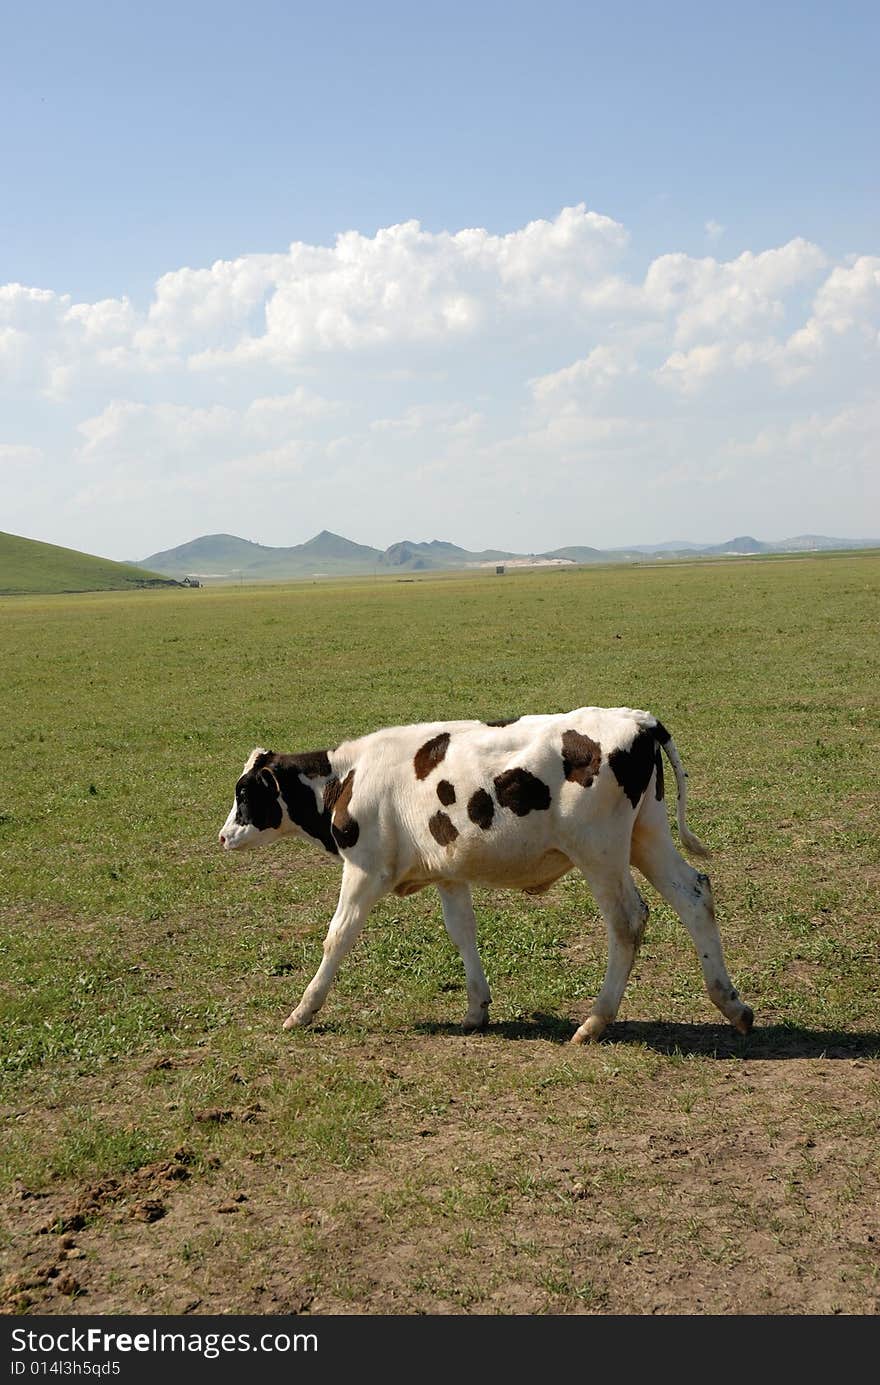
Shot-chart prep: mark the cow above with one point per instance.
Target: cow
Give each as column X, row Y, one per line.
column 514, row 803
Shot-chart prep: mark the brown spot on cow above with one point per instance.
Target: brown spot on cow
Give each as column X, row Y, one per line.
column 429, row 755
column 521, row 792
column 442, row 829
column 337, row 796
column 481, row 809
column 581, row 758
column 446, row 792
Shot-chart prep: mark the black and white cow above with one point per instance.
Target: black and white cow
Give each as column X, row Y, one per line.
column 511, row 803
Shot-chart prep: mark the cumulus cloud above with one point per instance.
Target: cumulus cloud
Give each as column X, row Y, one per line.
column 406, row 284
column 382, row 372
column 403, row 285
column 711, row 298
column 848, row 300
column 603, row 366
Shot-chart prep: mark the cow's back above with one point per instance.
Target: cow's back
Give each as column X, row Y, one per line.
column 500, row 804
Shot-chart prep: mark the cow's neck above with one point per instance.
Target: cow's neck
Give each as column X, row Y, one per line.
column 302, row 779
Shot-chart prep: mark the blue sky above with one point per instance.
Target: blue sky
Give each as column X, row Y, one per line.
column 139, row 141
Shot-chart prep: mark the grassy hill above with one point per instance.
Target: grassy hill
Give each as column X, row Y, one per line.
column 224, row 556
column 27, row 566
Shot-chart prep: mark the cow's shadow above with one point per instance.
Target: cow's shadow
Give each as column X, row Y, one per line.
column 773, row 1041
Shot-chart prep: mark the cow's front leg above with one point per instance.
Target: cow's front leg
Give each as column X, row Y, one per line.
column 461, row 925
column 359, row 892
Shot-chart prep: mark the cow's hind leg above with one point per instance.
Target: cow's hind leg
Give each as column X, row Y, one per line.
column 461, row 925
column 358, row 894
column 690, row 894
column 625, row 914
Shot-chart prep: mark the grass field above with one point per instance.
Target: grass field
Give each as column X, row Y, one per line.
column 166, row 1148
column 30, row 567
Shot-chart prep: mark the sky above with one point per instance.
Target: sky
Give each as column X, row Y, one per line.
column 505, row 274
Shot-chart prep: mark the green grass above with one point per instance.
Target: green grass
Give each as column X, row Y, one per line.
column 126, row 936
column 131, row 717
column 30, row 567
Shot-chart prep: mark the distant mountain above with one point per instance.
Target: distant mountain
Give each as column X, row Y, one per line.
column 327, row 545
column 744, row 544
column 27, row 565
column 223, row 557
column 437, row 553
column 579, row 555
column 671, row 546
column 225, row 552
column 817, row 543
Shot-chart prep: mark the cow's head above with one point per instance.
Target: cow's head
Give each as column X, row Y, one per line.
column 258, row 814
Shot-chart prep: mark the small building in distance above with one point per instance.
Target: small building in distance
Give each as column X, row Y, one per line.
column 190, row 582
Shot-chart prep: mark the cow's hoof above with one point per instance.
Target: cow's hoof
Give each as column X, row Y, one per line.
column 745, row 1022
column 590, row 1031
column 297, row 1021
column 476, row 1026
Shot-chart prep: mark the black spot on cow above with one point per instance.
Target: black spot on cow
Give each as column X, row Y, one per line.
column 442, row 829
column 633, row 768
column 343, row 826
column 521, row 792
column 481, row 809
column 661, row 734
column 581, row 758
column 446, row 792
column 299, row 799
column 256, row 797
column 502, row 721
column 659, row 787
column 314, row 764
column 429, row 755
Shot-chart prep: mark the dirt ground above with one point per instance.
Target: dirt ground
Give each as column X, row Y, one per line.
column 716, row 1183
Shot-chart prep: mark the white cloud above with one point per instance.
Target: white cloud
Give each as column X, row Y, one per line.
column 596, row 372
column 535, row 367
column 441, row 417
column 149, row 437
column 26, row 308
column 711, row 298
column 714, row 230
column 689, row 369
column 848, row 300
column 19, row 455
column 402, row 285
column 109, row 321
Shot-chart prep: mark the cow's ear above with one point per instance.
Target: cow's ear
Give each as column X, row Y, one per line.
column 268, row 781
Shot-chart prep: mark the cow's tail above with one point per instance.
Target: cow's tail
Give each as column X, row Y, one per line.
column 663, row 738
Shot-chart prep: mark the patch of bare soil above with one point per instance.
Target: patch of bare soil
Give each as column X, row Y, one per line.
column 724, row 1186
